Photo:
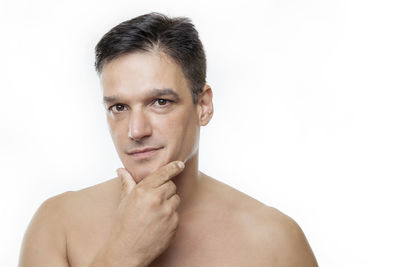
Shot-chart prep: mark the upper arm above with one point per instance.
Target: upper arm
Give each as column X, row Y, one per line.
column 44, row 242
column 286, row 244
column 295, row 249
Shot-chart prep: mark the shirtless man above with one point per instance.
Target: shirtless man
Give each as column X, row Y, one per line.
column 160, row 210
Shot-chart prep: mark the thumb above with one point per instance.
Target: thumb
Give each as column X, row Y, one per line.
column 127, row 181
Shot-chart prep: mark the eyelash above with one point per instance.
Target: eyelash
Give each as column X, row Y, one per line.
column 155, row 100
column 167, row 101
column 111, row 107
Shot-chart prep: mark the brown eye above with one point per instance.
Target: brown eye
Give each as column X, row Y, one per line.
column 117, row 108
column 162, row 102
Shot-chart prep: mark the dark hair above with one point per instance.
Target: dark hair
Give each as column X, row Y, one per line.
column 176, row 37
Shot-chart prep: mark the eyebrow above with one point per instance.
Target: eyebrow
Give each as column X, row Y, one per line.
column 152, row 94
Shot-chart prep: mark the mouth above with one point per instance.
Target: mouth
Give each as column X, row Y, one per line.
column 144, row 153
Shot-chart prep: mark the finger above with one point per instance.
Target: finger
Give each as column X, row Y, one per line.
column 167, row 189
column 127, row 181
column 165, row 173
column 174, row 201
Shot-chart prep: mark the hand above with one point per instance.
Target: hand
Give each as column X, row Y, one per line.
column 146, row 219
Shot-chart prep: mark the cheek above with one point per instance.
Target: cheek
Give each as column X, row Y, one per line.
column 170, row 130
column 182, row 135
column 117, row 132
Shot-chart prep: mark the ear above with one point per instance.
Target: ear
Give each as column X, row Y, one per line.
column 205, row 107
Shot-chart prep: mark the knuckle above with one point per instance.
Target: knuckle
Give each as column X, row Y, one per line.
column 175, row 168
column 163, row 175
column 161, row 172
column 169, row 211
column 156, row 200
column 140, row 191
column 172, row 168
column 172, row 186
column 175, row 219
column 177, row 198
column 165, row 171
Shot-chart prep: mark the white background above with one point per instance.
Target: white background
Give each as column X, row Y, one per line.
column 307, row 110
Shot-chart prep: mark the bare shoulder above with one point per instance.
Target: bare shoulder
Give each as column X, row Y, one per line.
column 85, row 201
column 105, row 193
column 284, row 240
column 269, row 232
column 44, row 241
column 88, row 206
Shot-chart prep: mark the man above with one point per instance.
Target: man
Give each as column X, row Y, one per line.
column 160, row 210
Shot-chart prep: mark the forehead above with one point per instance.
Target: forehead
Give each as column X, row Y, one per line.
column 138, row 73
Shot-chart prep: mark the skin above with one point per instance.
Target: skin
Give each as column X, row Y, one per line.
column 196, row 220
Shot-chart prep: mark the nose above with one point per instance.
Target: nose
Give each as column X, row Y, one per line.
column 139, row 125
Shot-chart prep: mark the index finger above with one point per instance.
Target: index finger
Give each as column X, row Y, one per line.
column 165, row 173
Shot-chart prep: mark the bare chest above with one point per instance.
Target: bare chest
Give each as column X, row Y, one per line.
column 207, row 247
column 214, row 241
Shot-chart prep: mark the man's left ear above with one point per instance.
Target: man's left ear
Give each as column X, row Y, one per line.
column 205, row 107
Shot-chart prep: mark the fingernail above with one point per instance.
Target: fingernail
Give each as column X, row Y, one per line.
column 181, row 164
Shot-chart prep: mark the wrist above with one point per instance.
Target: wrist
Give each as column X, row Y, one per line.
column 112, row 256
column 106, row 258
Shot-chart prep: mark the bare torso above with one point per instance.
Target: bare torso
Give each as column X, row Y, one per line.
column 224, row 228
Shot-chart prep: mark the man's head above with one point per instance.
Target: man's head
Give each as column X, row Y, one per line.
column 152, row 70
column 175, row 37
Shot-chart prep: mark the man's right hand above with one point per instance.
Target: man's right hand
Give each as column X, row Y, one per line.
column 146, row 219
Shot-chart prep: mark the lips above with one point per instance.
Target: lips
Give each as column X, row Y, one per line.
column 144, row 152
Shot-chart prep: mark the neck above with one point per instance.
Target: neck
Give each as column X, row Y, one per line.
column 187, row 183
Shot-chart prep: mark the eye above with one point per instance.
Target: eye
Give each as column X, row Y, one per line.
column 162, row 102
column 117, row 108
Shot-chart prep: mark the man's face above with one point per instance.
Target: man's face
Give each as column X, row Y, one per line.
column 149, row 105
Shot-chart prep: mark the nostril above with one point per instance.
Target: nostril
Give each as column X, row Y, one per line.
column 138, row 132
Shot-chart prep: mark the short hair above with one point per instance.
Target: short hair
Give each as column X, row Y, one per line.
column 176, row 37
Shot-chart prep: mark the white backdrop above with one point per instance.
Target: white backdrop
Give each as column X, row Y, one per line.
column 307, row 110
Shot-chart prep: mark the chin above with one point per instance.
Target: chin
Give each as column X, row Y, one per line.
column 140, row 169
column 141, row 174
